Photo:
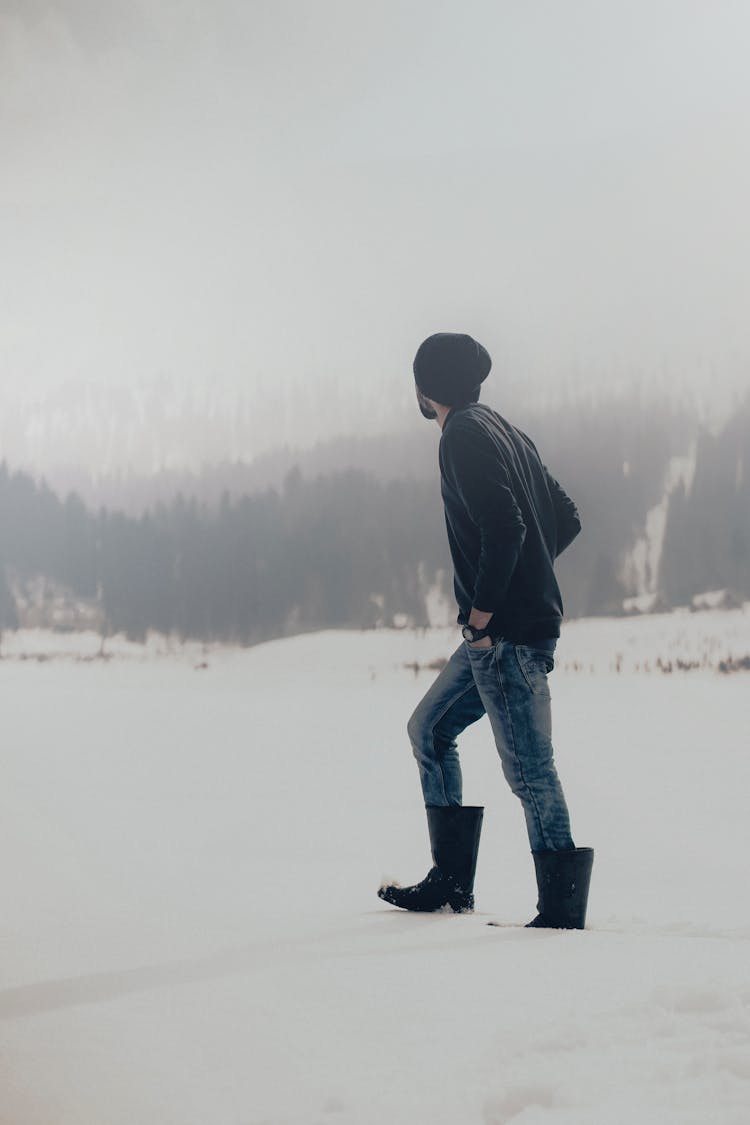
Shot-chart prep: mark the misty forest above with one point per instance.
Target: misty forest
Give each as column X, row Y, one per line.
column 665, row 505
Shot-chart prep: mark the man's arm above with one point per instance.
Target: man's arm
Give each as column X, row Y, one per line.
column 566, row 514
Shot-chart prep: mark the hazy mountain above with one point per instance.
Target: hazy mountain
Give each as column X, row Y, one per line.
column 129, row 448
column 349, row 532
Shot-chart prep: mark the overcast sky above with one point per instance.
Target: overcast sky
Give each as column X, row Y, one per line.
column 268, row 194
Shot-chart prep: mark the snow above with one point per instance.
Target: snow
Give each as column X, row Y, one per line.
column 191, row 841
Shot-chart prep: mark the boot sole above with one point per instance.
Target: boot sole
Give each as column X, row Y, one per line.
column 453, row 905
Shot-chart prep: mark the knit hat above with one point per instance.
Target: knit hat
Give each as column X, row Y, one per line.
column 450, row 366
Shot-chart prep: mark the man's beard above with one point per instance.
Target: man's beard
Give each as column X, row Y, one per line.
column 426, row 407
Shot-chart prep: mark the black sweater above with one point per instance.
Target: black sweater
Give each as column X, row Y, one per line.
column 507, row 521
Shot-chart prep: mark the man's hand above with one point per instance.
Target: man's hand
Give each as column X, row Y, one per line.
column 479, row 619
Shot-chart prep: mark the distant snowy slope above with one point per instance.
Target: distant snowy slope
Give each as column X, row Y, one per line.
column 641, row 568
column 680, row 641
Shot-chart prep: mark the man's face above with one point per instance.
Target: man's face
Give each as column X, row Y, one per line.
column 425, row 405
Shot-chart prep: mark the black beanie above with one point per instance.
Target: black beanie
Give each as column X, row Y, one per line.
column 450, row 366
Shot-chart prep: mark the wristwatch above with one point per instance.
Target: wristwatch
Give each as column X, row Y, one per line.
column 469, row 633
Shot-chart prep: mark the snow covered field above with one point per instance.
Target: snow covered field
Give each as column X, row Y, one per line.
column 190, row 846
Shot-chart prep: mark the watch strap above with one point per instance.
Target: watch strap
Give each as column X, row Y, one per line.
column 469, row 633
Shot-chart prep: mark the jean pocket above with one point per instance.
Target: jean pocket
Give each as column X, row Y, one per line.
column 535, row 665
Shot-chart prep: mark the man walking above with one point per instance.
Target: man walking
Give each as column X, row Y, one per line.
column 507, row 520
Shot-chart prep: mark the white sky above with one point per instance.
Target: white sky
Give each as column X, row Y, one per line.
column 267, row 194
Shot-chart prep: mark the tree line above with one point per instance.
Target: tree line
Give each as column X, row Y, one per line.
column 342, row 550
column 347, row 549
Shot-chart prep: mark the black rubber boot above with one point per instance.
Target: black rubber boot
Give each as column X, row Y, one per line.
column 454, row 839
column 562, row 879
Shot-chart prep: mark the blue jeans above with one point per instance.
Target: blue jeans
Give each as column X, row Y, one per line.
column 508, row 683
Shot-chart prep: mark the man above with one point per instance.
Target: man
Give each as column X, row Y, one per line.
column 507, row 521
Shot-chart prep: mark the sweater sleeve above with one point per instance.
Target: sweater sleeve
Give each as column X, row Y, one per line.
column 483, row 484
column 567, row 520
column 566, row 514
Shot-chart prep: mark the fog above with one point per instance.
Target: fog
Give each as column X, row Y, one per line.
column 283, row 199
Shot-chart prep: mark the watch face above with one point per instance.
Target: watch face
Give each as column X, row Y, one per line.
column 467, row 633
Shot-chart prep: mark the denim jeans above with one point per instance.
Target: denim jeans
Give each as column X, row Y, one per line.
column 508, row 683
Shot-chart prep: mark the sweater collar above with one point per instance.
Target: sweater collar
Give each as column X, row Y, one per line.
column 456, row 410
